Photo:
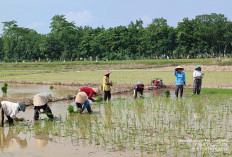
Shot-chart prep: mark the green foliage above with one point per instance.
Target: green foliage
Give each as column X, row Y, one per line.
column 99, row 99
column 4, row 88
column 51, row 87
column 205, row 36
column 212, row 91
column 5, row 85
column 70, row 109
column 167, row 93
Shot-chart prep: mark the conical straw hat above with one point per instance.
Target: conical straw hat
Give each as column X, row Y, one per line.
column 81, row 97
column 179, row 67
column 39, row 100
column 96, row 90
column 107, row 72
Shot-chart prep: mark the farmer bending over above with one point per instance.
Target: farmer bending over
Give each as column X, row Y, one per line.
column 90, row 92
column 41, row 103
column 10, row 109
column 82, row 100
column 138, row 88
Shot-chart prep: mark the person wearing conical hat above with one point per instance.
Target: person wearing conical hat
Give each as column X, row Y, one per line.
column 82, row 102
column 106, row 85
column 138, row 88
column 180, row 81
column 11, row 109
column 41, row 103
column 197, row 77
column 90, row 92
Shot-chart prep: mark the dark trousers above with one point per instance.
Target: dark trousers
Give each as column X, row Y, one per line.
column 138, row 90
column 10, row 120
column 197, row 86
column 107, row 95
column 46, row 109
column 179, row 88
column 80, row 107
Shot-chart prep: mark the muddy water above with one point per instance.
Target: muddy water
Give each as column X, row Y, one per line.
column 60, row 108
column 21, row 145
column 27, row 145
column 13, row 145
column 28, row 91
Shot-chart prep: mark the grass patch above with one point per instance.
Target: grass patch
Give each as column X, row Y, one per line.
column 211, row 78
column 212, row 91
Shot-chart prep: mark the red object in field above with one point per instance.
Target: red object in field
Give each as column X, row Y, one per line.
column 156, row 83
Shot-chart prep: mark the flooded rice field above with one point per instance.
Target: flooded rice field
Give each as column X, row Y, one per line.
column 155, row 125
column 28, row 91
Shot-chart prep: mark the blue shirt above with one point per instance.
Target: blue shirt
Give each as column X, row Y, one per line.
column 180, row 78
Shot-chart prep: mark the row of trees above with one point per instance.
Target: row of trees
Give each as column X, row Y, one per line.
column 203, row 36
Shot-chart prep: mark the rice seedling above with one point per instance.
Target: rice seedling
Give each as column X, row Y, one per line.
column 167, row 93
column 99, row 99
column 4, row 88
column 70, row 109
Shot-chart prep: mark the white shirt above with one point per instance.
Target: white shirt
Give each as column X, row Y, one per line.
column 197, row 73
column 10, row 108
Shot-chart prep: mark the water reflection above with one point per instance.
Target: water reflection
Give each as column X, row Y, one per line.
column 28, row 91
column 42, row 134
column 156, row 93
column 41, row 140
column 11, row 139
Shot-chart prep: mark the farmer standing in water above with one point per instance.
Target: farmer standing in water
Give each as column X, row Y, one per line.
column 180, row 81
column 106, row 85
column 197, row 76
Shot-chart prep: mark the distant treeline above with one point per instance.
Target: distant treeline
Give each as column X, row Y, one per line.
column 203, row 36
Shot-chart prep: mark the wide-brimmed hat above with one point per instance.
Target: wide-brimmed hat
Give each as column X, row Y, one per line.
column 81, row 97
column 107, row 72
column 22, row 106
column 96, row 90
column 179, row 67
column 197, row 67
column 139, row 83
column 39, row 100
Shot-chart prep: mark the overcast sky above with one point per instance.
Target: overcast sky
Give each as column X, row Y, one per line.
column 37, row 14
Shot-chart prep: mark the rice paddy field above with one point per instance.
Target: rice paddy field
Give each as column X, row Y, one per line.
column 153, row 125
column 150, row 126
